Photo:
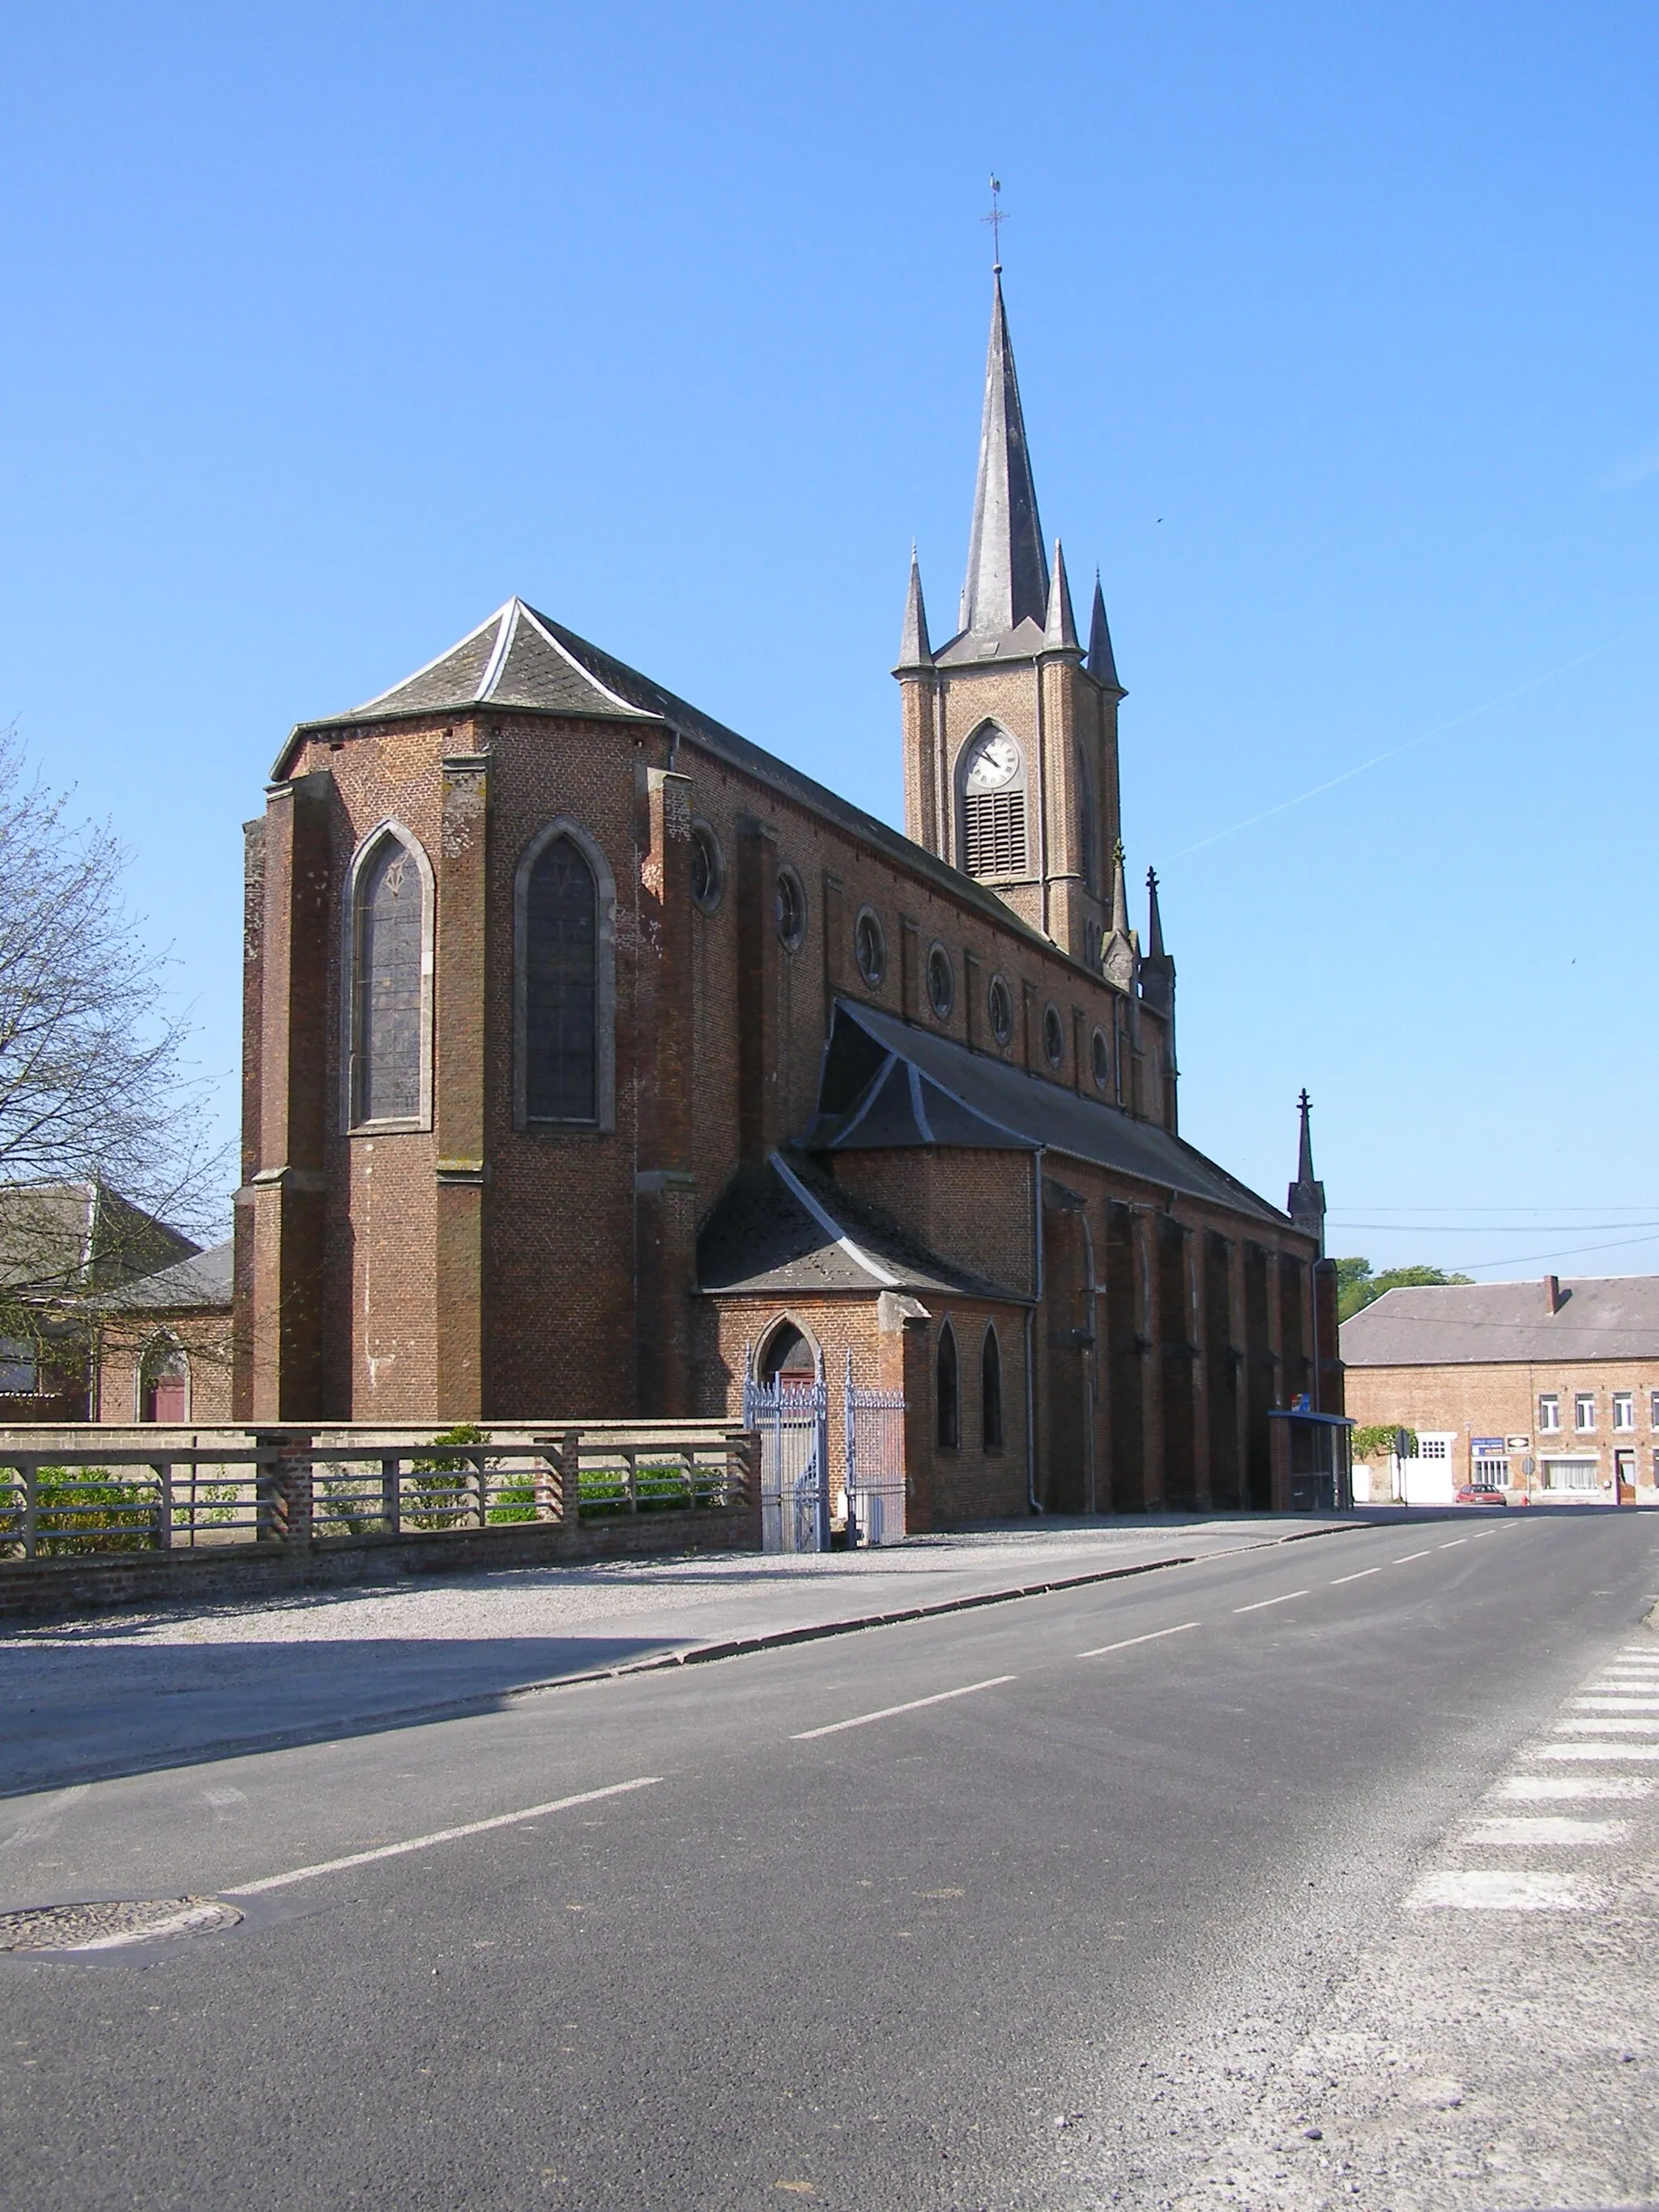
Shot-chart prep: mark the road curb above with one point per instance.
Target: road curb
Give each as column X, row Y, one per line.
column 696, row 1655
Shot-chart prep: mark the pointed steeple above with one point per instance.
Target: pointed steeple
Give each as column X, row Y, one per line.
column 1100, row 664
column 1008, row 579
column 1154, row 920
column 1306, row 1202
column 1157, row 970
column 1119, row 955
column 1060, row 631
column 914, row 651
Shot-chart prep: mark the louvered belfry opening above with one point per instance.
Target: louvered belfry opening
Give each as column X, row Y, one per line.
column 993, row 835
column 389, row 986
column 561, row 995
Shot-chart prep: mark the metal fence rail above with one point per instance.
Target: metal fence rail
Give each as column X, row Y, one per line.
column 232, row 1487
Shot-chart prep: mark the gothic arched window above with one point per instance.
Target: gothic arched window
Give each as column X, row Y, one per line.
column 990, row 1392
column 991, row 783
column 390, row 998
column 564, row 989
column 949, row 1390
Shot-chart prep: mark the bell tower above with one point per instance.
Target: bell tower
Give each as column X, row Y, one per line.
column 1011, row 727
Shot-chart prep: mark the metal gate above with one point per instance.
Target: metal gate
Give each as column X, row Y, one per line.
column 874, row 1430
column 792, row 1417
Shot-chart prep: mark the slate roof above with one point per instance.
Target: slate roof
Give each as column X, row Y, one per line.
column 58, row 1239
column 887, row 1083
column 788, row 1228
column 1467, row 1325
column 526, row 662
column 203, row 1280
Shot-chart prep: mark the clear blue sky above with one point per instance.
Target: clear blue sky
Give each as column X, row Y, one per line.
column 326, row 328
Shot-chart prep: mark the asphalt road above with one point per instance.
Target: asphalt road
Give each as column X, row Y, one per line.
column 1038, row 1938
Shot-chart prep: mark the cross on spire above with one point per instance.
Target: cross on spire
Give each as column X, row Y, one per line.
column 996, row 219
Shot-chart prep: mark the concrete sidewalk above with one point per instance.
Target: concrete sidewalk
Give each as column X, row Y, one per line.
column 126, row 1692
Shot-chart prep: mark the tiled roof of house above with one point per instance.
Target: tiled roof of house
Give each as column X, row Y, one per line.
column 58, row 1239
column 204, row 1281
column 1464, row 1325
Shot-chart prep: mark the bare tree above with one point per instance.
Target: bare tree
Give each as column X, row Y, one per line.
column 96, row 1084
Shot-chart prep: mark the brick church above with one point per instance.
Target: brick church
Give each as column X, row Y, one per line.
column 595, row 1059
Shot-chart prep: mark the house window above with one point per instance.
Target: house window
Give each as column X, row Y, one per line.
column 870, row 947
column 1054, row 1034
column 990, row 1392
column 1624, row 1409
column 1569, row 1473
column 1488, row 1472
column 19, row 1370
column 948, row 1390
column 790, row 910
column 1549, row 1414
column 1653, row 1409
column 390, row 964
column 562, row 985
column 993, row 785
column 1000, row 1005
column 1584, row 1411
column 941, row 982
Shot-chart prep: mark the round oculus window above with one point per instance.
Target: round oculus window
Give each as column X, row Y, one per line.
column 1054, row 1034
column 791, row 909
column 993, row 761
column 941, row 982
column 870, row 947
column 1000, row 1005
column 708, row 870
column 1100, row 1054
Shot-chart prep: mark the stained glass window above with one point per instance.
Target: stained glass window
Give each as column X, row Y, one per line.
column 389, row 903
column 561, row 987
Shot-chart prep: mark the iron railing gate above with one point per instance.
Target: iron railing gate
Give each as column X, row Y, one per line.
column 793, row 1418
column 874, row 1429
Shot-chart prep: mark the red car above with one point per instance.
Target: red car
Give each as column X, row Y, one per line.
column 1475, row 1493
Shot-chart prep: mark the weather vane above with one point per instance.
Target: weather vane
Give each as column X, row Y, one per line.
column 996, row 219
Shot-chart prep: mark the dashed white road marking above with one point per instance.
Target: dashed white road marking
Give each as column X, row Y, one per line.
column 1502, row 1889
column 910, row 1705
column 1261, row 1601
column 1542, row 1828
column 1151, row 1636
column 1597, row 1751
column 440, row 1836
column 1359, row 1578
column 1454, row 1544
column 1409, row 1557
column 1540, row 1789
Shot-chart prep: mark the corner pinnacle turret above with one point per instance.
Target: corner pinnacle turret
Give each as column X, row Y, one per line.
column 1306, row 1202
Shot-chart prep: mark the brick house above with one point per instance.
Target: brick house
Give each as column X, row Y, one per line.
column 1547, row 1392
column 596, row 1059
column 161, row 1346
column 62, row 1246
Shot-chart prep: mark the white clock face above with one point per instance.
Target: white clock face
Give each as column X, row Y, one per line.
column 994, row 760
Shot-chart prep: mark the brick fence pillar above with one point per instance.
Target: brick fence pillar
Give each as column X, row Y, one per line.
column 284, row 1488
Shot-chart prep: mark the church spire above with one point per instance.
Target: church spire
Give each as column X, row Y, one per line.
column 1306, row 1203
column 1060, row 631
column 914, row 651
column 1100, row 664
column 1008, row 579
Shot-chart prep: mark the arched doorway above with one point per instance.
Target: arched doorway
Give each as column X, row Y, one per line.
column 787, row 1402
column 787, row 1357
column 164, row 1383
